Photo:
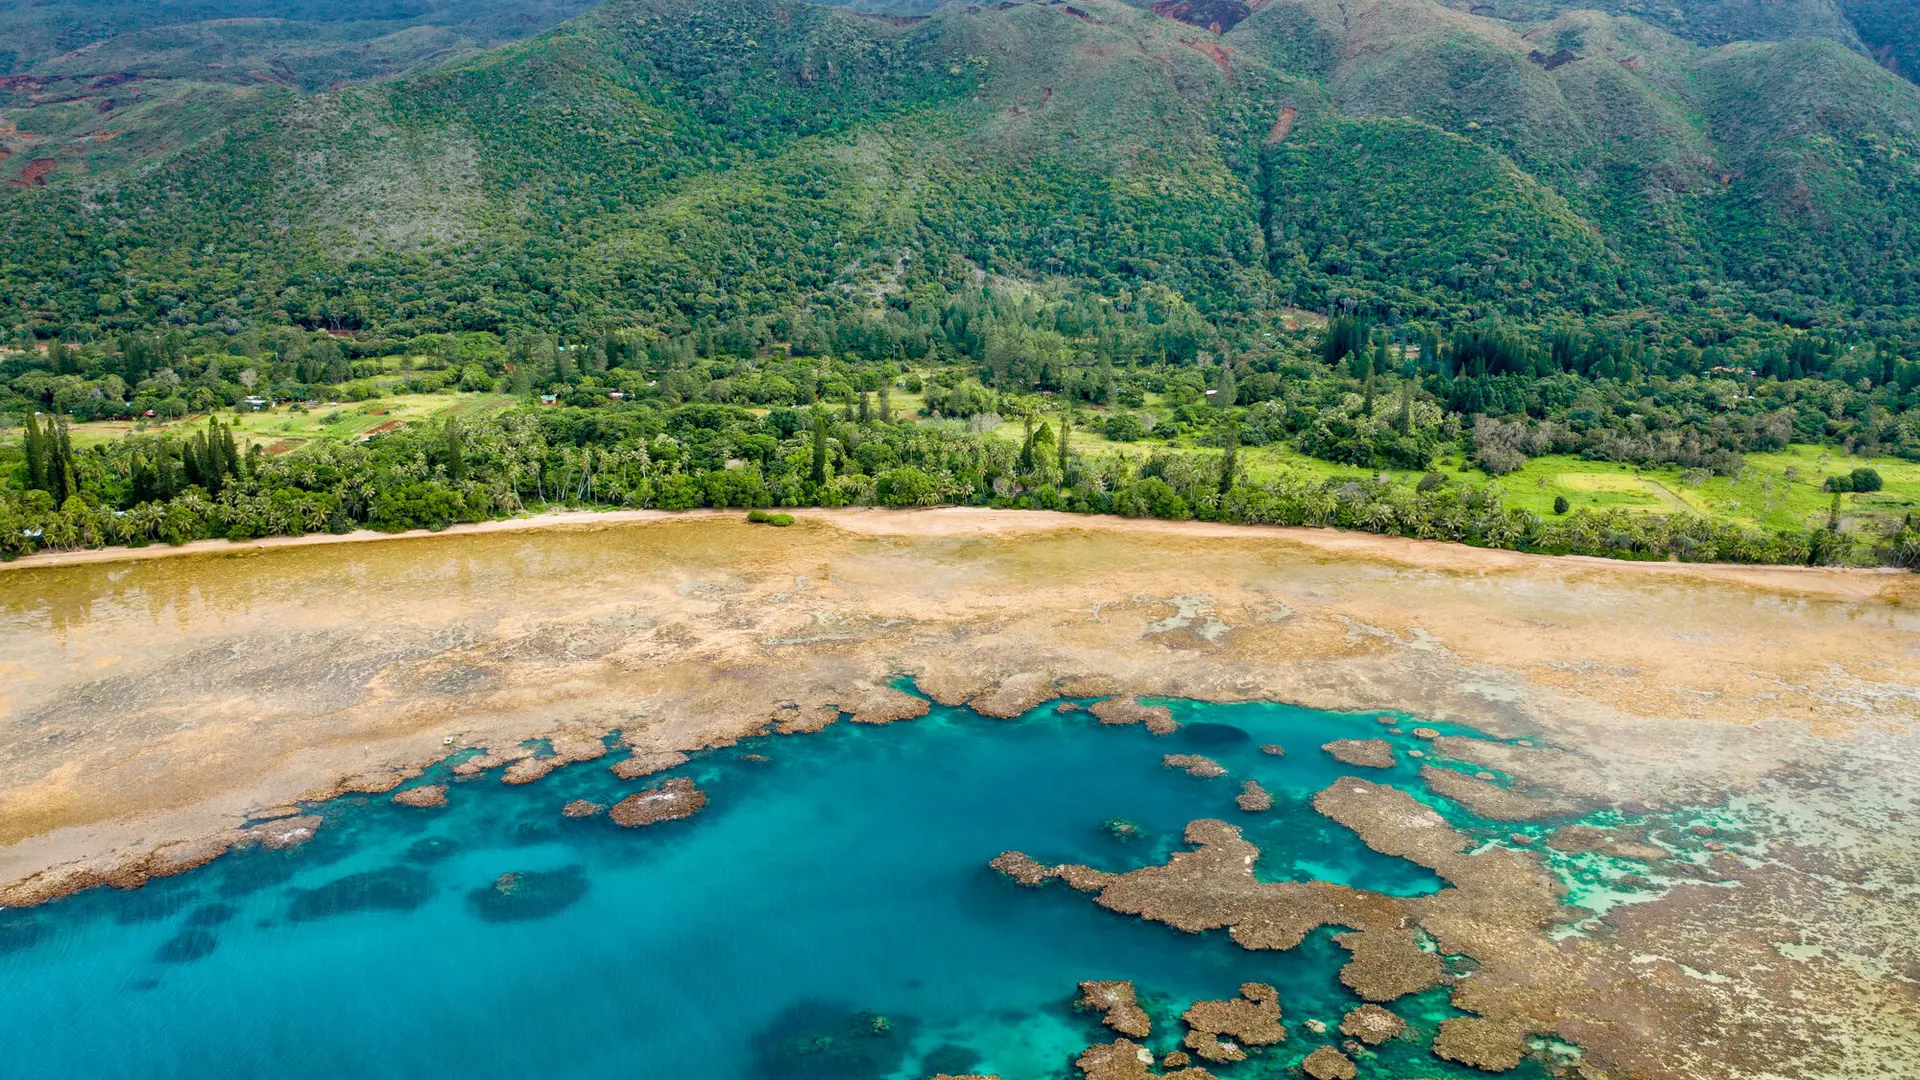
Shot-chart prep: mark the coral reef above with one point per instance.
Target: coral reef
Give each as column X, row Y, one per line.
column 1116, row 1002
column 187, row 946
column 1371, row 1024
column 1327, row 1063
column 1252, row 1019
column 523, row 895
column 669, row 801
column 1124, row 1059
column 1366, row 753
column 582, row 808
column 1388, row 964
column 1253, row 798
column 1194, row 764
column 397, row 888
column 427, row 796
column 641, row 764
column 1488, row 800
column 1158, row 718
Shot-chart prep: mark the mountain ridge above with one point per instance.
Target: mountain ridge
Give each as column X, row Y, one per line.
column 660, row 163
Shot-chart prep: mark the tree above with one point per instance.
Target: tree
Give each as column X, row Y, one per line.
column 886, row 403
column 1865, row 479
column 456, row 451
column 1223, row 388
column 1230, row 461
column 1066, row 431
column 36, row 448
column 1560, row 505
column 819, row 449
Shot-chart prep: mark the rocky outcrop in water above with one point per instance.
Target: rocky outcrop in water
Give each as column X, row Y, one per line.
column 1371, row 1024
column 1115, row 1001
column 1121, row 711
column 1124, row 1059
column 1194, row 765
column 428, row 796
column 1253, row 798
column 1219, row 1031
column 642, row 764
column 582, row 808
column 669, row 801
column 1367, row 753
column 284, row 833
column 1327, row 1063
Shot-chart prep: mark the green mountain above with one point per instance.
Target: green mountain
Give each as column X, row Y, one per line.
column 667, row 163
column 95, row 85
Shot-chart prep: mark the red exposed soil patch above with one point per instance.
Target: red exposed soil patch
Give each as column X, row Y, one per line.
column 281, row 447
column 1218, row 16
column 1221, row 58
column 383, row 428
column 1282, row 124
column 35, row 174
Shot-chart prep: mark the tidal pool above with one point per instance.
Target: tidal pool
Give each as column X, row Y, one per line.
column 830, row 914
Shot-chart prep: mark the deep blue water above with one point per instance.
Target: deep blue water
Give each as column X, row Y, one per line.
column 842, row 880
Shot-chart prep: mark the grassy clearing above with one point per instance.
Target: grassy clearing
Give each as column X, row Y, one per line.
column 1782, row 490
column 282, row 428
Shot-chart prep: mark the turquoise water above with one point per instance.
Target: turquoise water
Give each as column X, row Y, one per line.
column 829, row 916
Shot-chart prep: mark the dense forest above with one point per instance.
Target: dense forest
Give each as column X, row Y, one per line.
column 901, row 409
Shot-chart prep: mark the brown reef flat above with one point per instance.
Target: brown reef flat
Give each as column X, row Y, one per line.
column 1219, row 1031
column 669, row 800
column 1253, row 798
column 1194, row 765
column 1116, row 1002
column 149, row 706
column 1490, row 801
column 425, row 796
column 1368, row 753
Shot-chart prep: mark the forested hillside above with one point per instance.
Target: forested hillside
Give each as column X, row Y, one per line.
column 89, row 86
column 660, row 162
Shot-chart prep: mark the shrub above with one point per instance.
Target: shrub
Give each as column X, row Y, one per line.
column 1124, row 427
column 1431, row 481
column 1839, row 484
column 907, row 486
column 1865, row 480
column 766, row 517
column 1560, row 504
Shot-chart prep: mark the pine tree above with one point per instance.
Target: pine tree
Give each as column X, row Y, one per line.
column 1066, row 432
column 1224, row 391
column 1026, row 448
column 1406, row 407
column 65, row 484
column 819, row 449
column 1230, row 461
column 235, row 463
column 866, row 409
column 36, row 447
column 886, row 403
column 456, row 451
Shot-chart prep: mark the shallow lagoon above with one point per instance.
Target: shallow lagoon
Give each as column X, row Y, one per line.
column 841, row 880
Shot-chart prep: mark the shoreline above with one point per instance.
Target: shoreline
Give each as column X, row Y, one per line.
column 955, row 521
column 143, row 716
